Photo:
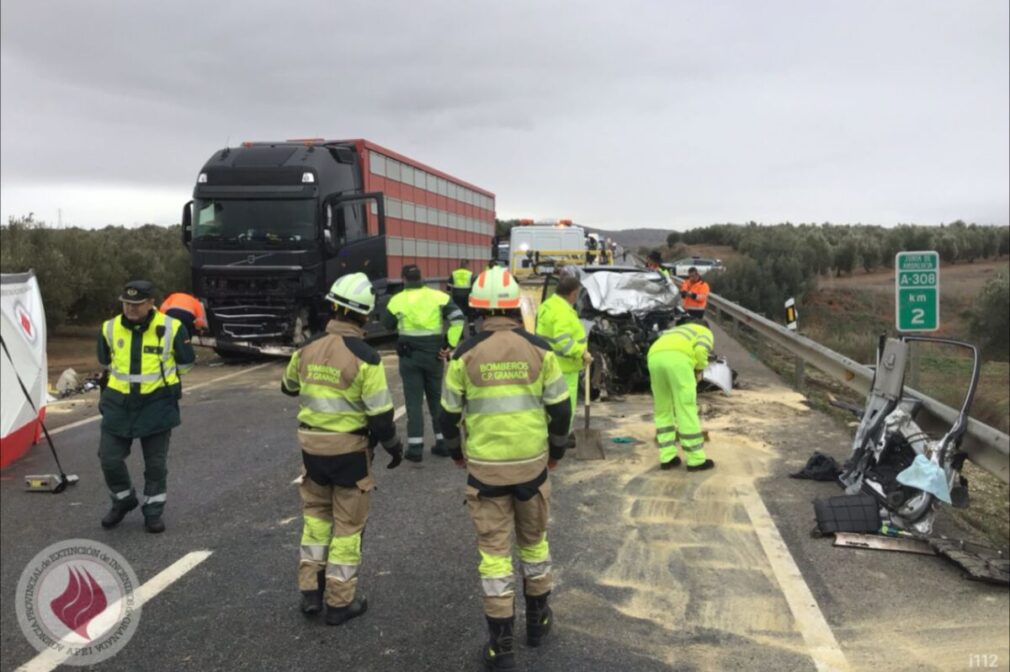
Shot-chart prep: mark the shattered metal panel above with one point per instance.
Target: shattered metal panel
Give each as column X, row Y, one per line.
column 623, row 293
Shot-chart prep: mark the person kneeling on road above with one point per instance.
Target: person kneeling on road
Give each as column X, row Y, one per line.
column 345, row 410
column 676, row 362
column 506, row 385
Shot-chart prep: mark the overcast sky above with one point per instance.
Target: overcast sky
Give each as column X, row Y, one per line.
column 618, row 115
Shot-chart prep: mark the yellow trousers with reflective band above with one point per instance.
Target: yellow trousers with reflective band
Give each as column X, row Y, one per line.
column 495, row 519
column 675, row 403
column 334, row 519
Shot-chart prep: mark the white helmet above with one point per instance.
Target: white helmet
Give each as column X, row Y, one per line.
column 354, row 292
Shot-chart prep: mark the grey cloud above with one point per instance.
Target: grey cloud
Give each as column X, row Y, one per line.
column 638, row 114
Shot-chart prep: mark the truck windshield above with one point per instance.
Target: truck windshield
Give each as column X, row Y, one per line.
column 268, row 221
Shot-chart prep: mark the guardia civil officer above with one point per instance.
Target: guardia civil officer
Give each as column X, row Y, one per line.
column 428, row 324
column 144, row 353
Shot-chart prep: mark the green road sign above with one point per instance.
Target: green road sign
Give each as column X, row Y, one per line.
column 917, row 291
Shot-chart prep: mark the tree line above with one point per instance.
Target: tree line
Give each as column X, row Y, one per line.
column 81, row 272
column 785, row 260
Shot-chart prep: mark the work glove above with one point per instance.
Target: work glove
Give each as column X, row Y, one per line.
column 694, row 296
column 683, row 293
column 586, row 357
column 396, row 452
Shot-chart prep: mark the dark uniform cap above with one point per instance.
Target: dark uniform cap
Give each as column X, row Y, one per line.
column 411, row 273
column 655, row 257
column 137, row 291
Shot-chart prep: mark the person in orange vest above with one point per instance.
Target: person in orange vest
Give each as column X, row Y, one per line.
column 186, row 308
column 694, row 292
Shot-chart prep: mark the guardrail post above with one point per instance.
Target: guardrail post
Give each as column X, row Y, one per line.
column 913, row 365
column 799, row 370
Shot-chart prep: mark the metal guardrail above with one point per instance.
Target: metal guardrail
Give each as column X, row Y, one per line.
column 986, row 446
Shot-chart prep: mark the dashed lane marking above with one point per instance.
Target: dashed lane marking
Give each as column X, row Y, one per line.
column 50, row 659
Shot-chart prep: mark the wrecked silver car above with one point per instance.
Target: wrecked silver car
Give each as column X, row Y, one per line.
column 624, row 310
column 905, row 470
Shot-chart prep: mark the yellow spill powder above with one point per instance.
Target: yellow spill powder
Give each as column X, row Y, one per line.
column 689, row 559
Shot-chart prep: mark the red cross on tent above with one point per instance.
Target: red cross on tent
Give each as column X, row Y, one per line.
column 26, row 323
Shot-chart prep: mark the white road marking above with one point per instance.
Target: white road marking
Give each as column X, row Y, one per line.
column 397, row 414
column 185, row 390
column 50, row 659
column 821, row 643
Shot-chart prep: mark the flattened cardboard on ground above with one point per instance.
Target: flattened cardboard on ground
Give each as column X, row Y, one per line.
column 879, row 543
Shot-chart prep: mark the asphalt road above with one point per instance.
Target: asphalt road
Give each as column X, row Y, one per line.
column 654, row 570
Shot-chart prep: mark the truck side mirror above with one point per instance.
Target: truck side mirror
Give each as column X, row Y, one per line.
column 328, row 242
column 187, row 224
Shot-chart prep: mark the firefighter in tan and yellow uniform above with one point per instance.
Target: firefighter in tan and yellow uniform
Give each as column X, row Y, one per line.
column 345, row 410
column 506, row 386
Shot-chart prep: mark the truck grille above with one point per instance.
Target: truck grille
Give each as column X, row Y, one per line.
column 251, row 308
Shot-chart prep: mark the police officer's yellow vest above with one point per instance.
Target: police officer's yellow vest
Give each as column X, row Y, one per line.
column 418, row 311
column 462, row 278
column 505, row 382
column 157, row 360
column 559, row 325
column 694, row 340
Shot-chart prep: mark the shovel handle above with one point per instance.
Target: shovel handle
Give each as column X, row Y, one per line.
column 585, row 390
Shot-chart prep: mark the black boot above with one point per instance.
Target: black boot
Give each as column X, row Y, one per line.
column 312, row 600
column 340, row 615
column 707, row 464
column 538, row 619
column 675, row 462
column 118, row 512
column 154, row 524
column 498, row 653
column 440, row 449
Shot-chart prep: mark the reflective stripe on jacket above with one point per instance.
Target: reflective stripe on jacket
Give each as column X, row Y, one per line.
column 694, row 340
column 559, row 325
column 700, row 289
column 190, row 304
column 337, row 389
column 419, row 314
column 157, row 366
column 502, row 386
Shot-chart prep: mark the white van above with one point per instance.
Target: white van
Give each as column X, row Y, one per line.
column 548, row 242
